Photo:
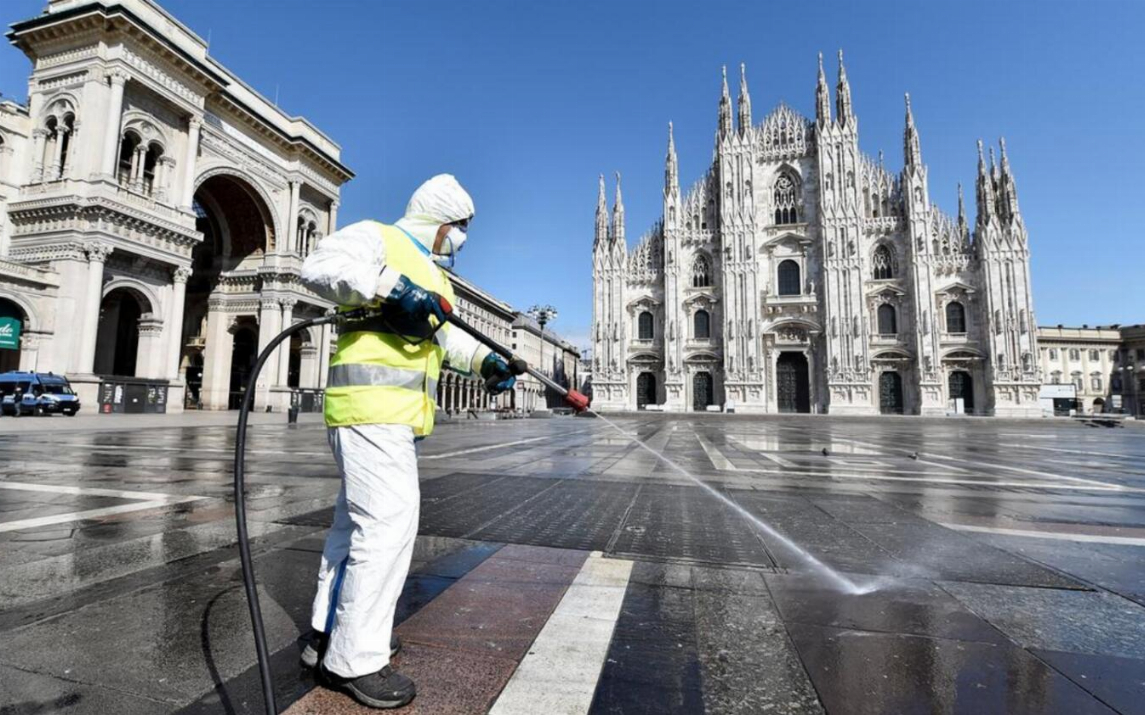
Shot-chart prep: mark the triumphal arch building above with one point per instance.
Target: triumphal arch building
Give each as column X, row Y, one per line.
column 155, row 211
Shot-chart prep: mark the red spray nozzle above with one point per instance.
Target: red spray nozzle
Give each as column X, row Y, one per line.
column 577, row 401
column 446, row 306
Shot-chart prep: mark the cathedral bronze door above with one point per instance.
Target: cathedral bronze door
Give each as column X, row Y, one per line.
column 701, row 391
column 962, row 386
column 645, row 390
column 792, row 388
column 890, row 393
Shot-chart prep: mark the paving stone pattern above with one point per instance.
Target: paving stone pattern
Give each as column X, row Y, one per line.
column 1002, row 564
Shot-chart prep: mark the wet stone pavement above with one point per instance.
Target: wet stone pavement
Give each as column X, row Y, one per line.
column 999, row 567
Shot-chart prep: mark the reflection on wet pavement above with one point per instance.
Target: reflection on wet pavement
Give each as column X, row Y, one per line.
column 1010, row 560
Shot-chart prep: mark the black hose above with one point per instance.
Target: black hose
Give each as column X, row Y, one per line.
column 240, row 488
column 240, row 500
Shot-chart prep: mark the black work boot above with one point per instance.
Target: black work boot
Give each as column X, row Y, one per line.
column 384, row 689
column 316, row 647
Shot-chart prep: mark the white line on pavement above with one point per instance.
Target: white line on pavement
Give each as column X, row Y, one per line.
column 560, row 672
column 86, row 491
column 140, row 502
column 765, row 454
column 487, row 447
column 996, row 465
column 935, row 480
column 719, row 461
column 1059, row 536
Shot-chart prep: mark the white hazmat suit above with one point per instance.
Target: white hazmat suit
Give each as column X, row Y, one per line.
column 368, row 549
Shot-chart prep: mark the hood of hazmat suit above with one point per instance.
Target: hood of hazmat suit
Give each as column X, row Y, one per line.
column 438, row 201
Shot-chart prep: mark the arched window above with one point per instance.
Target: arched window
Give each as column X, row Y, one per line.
column 150, row 164
column 955, row 318
column 1056, row 378
column 786, row 199
column 701, row 272
column 702, row 325
column 884, row 263
column 789, row 282
column 127, row 154
column 888, row 320
column 644, row 326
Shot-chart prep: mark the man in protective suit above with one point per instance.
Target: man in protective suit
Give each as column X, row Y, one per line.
column 380, row 398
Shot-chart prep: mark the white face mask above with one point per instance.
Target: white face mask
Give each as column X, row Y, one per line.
column 450, row 246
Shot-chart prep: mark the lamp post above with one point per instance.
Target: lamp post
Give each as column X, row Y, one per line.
column 543, row 314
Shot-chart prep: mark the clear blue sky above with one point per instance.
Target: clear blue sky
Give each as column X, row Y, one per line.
column 526, row 102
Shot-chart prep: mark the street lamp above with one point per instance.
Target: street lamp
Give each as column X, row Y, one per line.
column 543, row 314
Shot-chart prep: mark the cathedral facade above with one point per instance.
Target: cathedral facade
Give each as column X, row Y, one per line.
column 800, row 275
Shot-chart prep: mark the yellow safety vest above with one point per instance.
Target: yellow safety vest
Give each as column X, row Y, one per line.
column 382, row 378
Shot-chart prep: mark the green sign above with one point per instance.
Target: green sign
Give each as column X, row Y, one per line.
column 9, row 333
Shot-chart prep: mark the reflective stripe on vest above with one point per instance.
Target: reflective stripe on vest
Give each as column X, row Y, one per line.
column 382, row 378
column 358, row 374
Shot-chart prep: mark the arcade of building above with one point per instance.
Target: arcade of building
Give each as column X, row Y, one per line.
column 155, row 212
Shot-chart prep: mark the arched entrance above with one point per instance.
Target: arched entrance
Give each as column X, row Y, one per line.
column 703, row 393
column 645, row 390
column 792, row 383
column 117, row 341
column 238, row 230
column 890, row 393
column 13, row 322
column 244, row 354
column 961, row 386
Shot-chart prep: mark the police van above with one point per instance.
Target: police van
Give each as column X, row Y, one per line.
column 36, row 393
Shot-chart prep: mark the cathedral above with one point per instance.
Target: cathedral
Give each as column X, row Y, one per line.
column 800, row 275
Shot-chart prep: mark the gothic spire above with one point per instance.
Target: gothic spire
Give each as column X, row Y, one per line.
column 822, row 97
column 1008, row 190
column 618, row 214
column 601, row 216
column 985, row 190
column 961, row 206
column 912, row 152
column 725, row 108
column 744, row 101
column 671, row 168
column 843, row 94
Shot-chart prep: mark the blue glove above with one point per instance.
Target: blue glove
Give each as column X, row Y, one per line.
column 498, row 377
column 415, row 301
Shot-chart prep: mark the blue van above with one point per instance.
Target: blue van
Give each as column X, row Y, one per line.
column 36, row 393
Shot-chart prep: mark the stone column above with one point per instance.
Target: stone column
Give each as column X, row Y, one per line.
column 290, row 234
column 149, row 357
column 57, row 170
column 175, row 322
column 284, row 349
column 97, row 254
column 217, row 352
column 269, row 316
column 114, row 117
column 137, row 160
column 324, row 355
column 332, row 225
column 308, row 369
column 194, row 124
column 30, row 350
column 39, row 136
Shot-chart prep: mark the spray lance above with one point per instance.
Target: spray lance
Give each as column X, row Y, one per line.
column 517, row 366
